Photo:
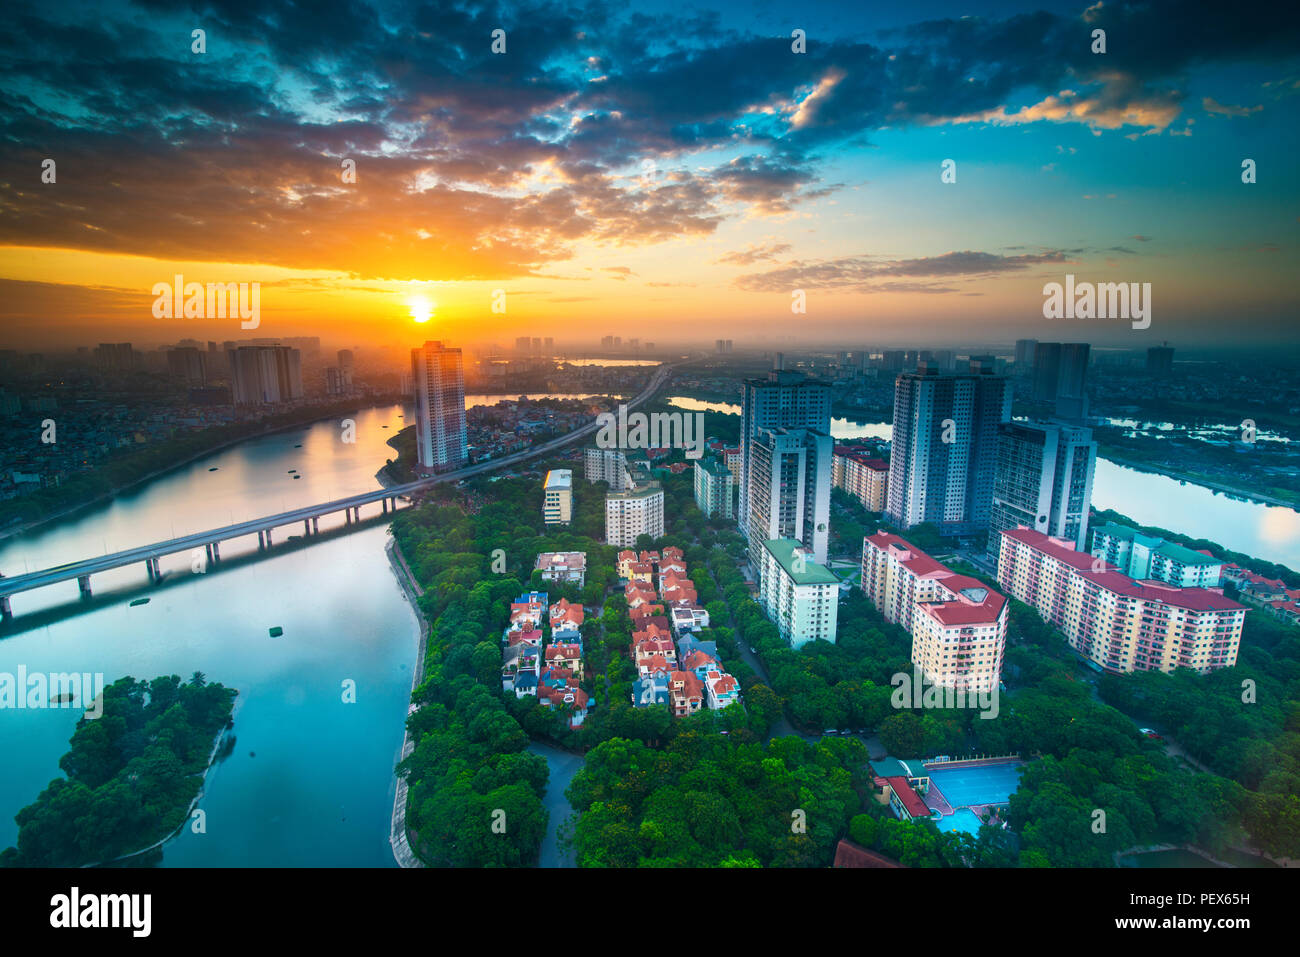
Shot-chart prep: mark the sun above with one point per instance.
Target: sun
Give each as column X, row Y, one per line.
column 421, row 308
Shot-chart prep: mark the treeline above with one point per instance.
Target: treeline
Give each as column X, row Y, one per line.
column 1242, row 722
column 705, row 800
column 131, row 773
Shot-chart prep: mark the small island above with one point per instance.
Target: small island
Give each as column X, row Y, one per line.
column 132, row 774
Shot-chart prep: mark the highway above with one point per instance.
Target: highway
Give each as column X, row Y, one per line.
column 149, row 554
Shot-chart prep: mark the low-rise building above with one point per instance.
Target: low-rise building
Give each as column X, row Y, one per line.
column 563, row 567
column 557, row 497
column 800, row 596
column 862, row 476
column 1148, row 556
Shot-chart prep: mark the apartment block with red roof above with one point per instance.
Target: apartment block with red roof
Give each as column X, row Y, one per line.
column 1116, row 623
column 862, row 476
column 958, row 625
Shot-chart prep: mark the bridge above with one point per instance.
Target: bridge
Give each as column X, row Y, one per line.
column 210, row 541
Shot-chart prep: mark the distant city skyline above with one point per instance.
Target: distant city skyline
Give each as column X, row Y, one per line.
column 592, row 180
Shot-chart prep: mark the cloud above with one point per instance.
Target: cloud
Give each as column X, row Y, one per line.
column 754, row 252
column 1210, row 105
column 867, row 273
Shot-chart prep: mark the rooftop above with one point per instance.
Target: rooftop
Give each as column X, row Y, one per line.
column 559, row 479
column 783, row 549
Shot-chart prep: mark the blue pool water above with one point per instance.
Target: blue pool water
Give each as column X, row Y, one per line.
column 983, row 784
column 963, row 819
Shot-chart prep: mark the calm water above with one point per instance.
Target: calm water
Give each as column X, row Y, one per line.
column 1263, row 531
column 310, row 779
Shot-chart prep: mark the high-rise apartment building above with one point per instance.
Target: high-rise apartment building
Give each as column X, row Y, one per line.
column 438, row 376
column 713, row 484
column 1042, row 479
column 1024, row 354
column 605, row 465
column 789, row 483
column 1112, row 621
column 789, row 401
column 557, row 497
column 958, row 625
column 1160, row 361
column 265, row 374
column 1150, row 557
column 189, row 363
column 944, row 447
column 800, row 596
column 634, row 513
column 1060, row 370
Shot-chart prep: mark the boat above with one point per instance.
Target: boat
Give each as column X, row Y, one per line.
column 213, row 469
column 276, row 631
column 296, row 477
column 291, row 471
column 140, row 601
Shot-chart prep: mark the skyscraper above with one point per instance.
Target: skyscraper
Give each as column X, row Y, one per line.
column 1042, row 480
column 264, row 374
column 943, row 452
column 439, row 379
column 787, row 401
column 1024, row 354
column 1160, row 360
column 789, row 482
column 1060, row 370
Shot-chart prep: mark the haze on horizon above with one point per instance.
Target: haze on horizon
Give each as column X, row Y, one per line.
column 666, row 176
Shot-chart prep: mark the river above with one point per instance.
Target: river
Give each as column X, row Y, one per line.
column 1263, row 531
column 310, row 780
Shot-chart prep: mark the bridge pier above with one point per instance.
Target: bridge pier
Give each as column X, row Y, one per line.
column 384, row 503
column 216, row 551
column 306, row 527
column 261, row 541
column 83, row 582
column 208, row 550
column 347, row 516
column 6, row 610
column 268, row 538
column 315, row 525
column 155, row 575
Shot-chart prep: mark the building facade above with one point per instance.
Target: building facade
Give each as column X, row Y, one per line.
column 958, row 625
column 944, row 447
column 862, row 476
column 790, row 490
column 261, row 375
column 1148, row 556
column 439, row 380
column 605, row 465
column 631, row 514
column 1042, row 480
column 557, row 497
column 1112, row 621
column 713, row 488
column 800, row 596
column 782, row 400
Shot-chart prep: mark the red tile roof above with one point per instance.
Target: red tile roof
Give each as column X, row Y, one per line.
column 1193, row 599
column 909, row 798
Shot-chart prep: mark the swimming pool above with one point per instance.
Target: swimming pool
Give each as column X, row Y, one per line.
column 978, row 784
column 963, row 819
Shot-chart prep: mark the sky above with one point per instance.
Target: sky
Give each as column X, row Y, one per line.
column 670, row 172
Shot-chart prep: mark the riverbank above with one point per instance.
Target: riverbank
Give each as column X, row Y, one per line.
column 398, row 837
column 218, row 743
column 74, row 508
